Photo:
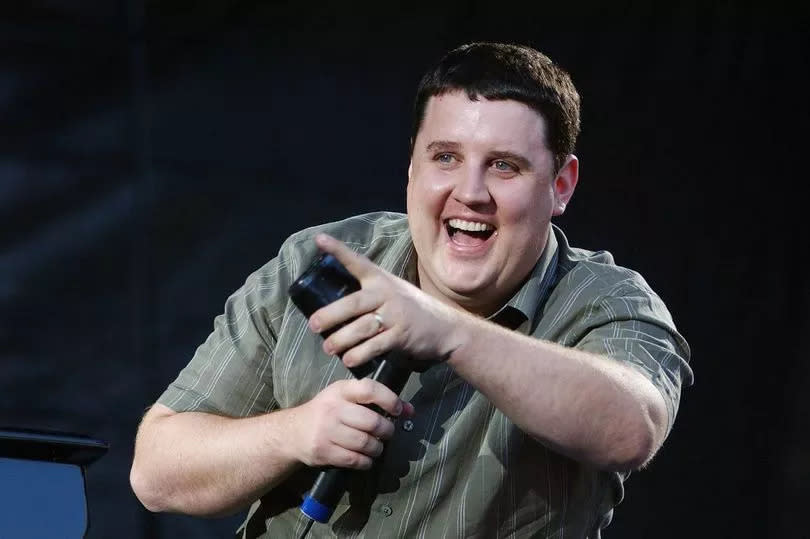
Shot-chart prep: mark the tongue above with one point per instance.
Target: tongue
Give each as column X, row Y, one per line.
column 468, row 239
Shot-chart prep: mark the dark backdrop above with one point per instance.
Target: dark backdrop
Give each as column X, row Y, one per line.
column 152, row 155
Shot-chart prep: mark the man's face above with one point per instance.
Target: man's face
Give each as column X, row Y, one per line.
column 481, row 194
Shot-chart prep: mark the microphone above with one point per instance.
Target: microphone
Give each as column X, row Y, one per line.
column 323, row 282
column 330, row 484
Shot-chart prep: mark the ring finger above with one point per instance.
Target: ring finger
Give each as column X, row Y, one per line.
column 357, row 440
column 361, row 329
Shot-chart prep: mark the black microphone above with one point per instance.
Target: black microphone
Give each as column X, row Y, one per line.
column 323, row 282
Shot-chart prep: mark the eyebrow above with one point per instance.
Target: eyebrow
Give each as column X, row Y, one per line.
column 446, row 145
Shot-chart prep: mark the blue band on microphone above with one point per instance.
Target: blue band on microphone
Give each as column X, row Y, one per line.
column 316, row 510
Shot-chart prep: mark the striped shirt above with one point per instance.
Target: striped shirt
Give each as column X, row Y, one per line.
column 460, row 467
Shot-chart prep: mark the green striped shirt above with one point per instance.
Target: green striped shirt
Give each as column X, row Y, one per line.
column 460, row 468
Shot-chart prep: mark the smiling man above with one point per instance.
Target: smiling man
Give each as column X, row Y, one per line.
column 483, row 188
column 543, row 373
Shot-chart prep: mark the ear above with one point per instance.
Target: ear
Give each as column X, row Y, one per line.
column 565, row 183
column 411, row 142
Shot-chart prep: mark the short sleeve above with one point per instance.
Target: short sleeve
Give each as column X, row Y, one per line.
column 231, row 372
column 632, row 325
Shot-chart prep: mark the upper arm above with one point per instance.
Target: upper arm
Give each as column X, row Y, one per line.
column 231, row 373
column 635, row 329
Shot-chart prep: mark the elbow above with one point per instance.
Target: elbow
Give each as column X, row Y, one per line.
column 635, row 446
column 158, row 495
column 147, row 478
column 145, row 490
column 634, row 455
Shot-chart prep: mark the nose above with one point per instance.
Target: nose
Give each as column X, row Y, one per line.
column 471, row 187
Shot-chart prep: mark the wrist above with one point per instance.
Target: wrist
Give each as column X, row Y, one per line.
column 460, row 333
column 282, row 436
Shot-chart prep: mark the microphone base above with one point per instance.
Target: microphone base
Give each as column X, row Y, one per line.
column 316, row 510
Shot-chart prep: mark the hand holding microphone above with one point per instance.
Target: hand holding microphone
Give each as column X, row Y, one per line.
column 325, row 281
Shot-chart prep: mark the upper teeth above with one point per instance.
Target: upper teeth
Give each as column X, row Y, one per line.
column 469, row 225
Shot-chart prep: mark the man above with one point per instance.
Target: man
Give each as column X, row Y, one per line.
column 548, row 372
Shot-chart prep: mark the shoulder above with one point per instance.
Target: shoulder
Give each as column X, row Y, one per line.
column 595, row 270
column 590, row 286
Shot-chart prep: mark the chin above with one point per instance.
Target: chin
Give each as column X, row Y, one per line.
column 469, row 273
column 468, row 286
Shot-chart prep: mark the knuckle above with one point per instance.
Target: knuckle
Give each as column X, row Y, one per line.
column 367, row 387
column 376, row 346
column 340, row 388
column 385, row 428
column 352, row 460
column 399, row 334
column 364, row 441
column 378, row 448
column 353, row 301
column 378, row 280
column 379, row 424
column 374, row 448
column 370, row 283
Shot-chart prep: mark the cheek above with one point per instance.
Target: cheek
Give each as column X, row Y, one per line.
column 517, row 205
column 524, row 212
column 427, row 195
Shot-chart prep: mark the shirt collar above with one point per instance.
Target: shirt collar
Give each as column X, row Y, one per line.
column 521, row 311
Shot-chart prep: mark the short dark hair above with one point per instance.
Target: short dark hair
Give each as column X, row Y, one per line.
column 498, row 71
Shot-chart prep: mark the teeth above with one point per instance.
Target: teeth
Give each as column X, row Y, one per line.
column 469, row 226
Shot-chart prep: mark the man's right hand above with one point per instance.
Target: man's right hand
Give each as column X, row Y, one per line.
column 335, row 428
column 204, row 464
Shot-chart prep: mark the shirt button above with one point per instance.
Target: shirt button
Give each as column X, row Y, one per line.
column 386, row 510
column 407, row 425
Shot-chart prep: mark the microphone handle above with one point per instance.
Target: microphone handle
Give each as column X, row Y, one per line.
column 330, row 484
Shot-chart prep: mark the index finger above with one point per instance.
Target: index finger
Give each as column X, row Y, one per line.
column 358, row 265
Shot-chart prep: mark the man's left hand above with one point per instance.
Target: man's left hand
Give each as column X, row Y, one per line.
column 387, row 313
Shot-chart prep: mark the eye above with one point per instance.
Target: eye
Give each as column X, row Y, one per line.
column 504, row 166
column 446, row 160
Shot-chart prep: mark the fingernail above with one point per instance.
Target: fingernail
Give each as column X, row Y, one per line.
column 314, row 325
column 398, row 408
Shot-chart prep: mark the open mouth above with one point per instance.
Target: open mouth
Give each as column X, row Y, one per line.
column 468, row 233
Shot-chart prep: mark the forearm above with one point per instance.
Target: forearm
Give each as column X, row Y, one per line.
column 590, row 408
column 203, row 464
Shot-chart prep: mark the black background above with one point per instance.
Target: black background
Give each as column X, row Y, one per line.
column 152, row 155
